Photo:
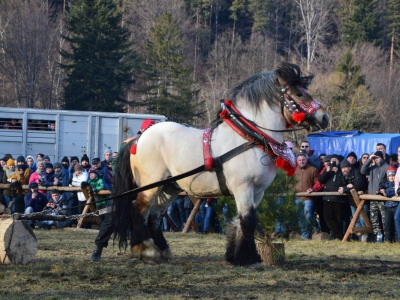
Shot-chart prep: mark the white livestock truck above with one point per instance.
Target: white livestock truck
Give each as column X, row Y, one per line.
column 59, row 133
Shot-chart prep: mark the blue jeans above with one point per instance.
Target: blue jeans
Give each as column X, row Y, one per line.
column 397, row 222
column 360, row 222
column 207, row 214
column 177, row 207
column 306, row 217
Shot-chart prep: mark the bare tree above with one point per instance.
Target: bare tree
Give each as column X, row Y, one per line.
column 315, row 23
column 27, row 51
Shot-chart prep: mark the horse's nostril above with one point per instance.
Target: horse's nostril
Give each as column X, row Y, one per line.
column 325, row 120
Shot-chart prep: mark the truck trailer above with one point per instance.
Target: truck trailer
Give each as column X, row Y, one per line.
column 59, row 133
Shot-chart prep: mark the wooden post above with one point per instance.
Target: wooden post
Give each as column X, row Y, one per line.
column 191, row 217
column 353, row 221
column 89, row 199
column 364, row 215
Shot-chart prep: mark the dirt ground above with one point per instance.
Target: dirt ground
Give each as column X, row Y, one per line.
column 313, row 270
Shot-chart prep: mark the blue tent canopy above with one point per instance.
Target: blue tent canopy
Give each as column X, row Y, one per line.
column 344, row 142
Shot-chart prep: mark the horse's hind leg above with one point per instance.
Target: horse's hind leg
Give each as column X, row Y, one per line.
column 168, row 194
column 142, row 245
column 241, row 248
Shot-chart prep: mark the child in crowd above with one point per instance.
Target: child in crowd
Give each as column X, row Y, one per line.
column 96, row 184
column 387, row 189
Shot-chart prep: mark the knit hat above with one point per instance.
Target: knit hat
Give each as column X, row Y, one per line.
column 85, row 158
column 107, row 151
column 41, row 155
column 20, row 159
column 352, row 154
column 74, row 158
column 46, row 157
column 10, row 162
column 48, row 166
column 391, row 171
column 379, row 153
column 345, row 163
column 23, row 167
column 146, row 124
column 57, row 165
column 65, row 159
column 93, row 171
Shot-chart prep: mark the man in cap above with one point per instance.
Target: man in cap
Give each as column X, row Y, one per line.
column 334, row 206
column 353, row 180
column 106, row 228
column 375, row 166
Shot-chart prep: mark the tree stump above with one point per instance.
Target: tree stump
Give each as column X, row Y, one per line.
column 18, row 244
column 272, row 254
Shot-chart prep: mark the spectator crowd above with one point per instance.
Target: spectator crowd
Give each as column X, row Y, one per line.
column 376, row 174
column 74, row 172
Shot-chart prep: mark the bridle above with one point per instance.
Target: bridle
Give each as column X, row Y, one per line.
column 300, row 112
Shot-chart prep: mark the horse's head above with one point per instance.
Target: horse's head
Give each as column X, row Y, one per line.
column 300, row 108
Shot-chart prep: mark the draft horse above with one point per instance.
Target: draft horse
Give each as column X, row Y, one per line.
column 260, row 109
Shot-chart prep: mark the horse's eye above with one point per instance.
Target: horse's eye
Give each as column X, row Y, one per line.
column 299, row 94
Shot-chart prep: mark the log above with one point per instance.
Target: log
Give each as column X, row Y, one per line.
column 2, row 209
column 18, row 244
column 272, row 254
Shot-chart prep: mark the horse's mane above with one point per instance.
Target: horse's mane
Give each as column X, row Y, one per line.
column 265, row 85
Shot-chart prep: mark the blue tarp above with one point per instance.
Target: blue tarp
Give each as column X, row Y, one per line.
column 344, row 142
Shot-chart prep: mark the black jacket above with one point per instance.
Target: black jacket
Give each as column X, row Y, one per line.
column 358, row 181
column 332, row 181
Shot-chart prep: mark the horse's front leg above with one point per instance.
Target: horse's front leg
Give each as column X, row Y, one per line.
column 241, row 248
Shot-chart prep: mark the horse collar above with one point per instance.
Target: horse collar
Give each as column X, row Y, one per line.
column 280, row 153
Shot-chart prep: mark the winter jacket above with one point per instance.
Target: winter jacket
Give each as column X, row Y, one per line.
column 37, row 203
column 48, row 179
column 388, row 186
column 332, row 181
column 358, row 181
column 97, row 185
column 314, row 161
column 77, row 181
column 103, row 174
column 305, row 178
column 63, row 177
column 377, row 174
column 23, row 179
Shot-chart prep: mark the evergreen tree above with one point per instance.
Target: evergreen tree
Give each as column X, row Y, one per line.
column 359, row 22
column 168, row 81
column 262, row 12
column 100, row 63
column 350, row 104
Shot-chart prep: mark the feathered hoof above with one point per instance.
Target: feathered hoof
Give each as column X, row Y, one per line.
column 137, row 250
column 166, row 255
column 151, row 253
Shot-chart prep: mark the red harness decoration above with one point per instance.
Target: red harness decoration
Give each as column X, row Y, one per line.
column 133, row 149
column 208, row 160
column 283, row 156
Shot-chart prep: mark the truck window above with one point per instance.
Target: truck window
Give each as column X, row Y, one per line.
column 42, row 125
column 6, row 123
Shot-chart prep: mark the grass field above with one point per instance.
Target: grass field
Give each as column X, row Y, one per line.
column 313, row 270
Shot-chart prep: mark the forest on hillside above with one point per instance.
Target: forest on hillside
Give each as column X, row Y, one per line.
column 180, row 57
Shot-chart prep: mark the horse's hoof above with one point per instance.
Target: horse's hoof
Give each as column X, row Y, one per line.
column 166, row 254
column 136, row 251
column 151, row 253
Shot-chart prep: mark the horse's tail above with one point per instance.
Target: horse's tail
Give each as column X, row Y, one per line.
column 122, row 206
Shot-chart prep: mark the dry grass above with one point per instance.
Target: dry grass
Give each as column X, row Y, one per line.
column 314, row 270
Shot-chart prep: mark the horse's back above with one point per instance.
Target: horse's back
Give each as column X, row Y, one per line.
column 167, row 149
